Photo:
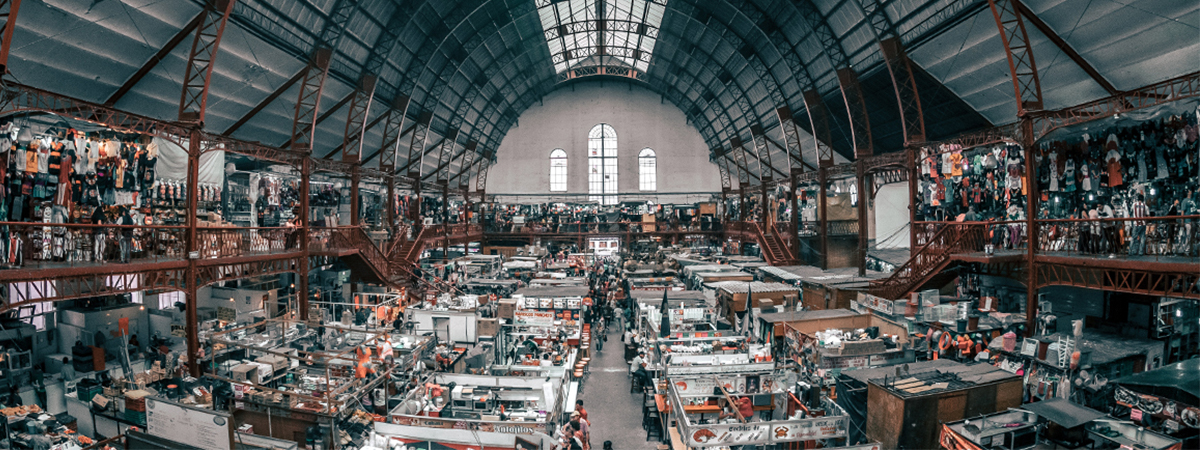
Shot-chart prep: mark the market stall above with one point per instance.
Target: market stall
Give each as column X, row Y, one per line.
column 692, row 395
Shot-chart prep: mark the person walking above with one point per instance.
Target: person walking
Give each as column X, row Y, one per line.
column 619, row 316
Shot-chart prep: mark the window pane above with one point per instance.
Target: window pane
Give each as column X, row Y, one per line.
column 647, row 170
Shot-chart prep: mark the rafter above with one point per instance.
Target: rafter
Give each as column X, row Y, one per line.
column 1066, row 48
column 154, row 60
column 265, row 102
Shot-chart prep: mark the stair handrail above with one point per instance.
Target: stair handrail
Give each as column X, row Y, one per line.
column 917, row 266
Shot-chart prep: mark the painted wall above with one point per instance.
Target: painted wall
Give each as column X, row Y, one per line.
column 891, row 216
column 641, row 119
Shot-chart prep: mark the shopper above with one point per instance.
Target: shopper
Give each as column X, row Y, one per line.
column 126, row 231
column 1139, row 209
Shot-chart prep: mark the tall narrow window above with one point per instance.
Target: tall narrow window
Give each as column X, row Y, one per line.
column 602, row 164
column 558, row 170
column 647, row 170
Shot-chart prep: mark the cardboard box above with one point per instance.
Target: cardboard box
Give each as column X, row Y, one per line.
column 245, row 372
column 487, row 327
column 277, row 363
column 505, row 308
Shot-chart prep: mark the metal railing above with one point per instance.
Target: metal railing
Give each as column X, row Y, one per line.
column 44, row 245
column 1172, row 236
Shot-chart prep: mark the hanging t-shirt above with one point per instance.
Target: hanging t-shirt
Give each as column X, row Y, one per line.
column 956, row 160
column 31, row 158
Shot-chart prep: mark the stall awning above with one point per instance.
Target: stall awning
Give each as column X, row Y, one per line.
column 1063, row 412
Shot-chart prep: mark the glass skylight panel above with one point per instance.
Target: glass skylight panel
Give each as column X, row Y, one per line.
column 574, row 35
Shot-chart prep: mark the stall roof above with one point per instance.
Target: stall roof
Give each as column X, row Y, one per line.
column 1063, row 412
column 895, row 256
column 779, row 272
column 956, row 375
column 832, row 277
column 554, row 291
column 730, row 273
column 1176, row 381
column 791, row 316
column 741, row 287
column 491, row 282
column 710, row 268
column 650, row 297
column 1107, row 347
column 685, row 261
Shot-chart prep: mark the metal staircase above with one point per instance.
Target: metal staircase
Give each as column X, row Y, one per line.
column 929, row 259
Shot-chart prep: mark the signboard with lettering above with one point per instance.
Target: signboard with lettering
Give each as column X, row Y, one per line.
column 725, row 435
column 206, row 429
column 877, row 303
column 491, row 427
column 533, row 318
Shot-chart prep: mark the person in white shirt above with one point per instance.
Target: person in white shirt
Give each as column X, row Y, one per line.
column 638, row 362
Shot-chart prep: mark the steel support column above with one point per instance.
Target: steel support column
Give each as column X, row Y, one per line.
column 1031, row 208
column 202, row 60
column 191, row 295
column 819, row 115
column 302, row 295
column 864, row 193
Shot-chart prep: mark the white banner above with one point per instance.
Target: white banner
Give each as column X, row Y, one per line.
column 533, row 318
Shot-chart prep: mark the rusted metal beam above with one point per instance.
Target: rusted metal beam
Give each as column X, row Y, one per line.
column 905, row 85
column 416, row 146
column 9, row 9
column 1019, row 50
column 449, row 141
column 818, row 114
column 265, row 102
column 325, row 114
column 154, row 60
column 393, row 121
column 202, row 60
column 309, row 104
column 1066, row 48
column 356, row 118
column 856, row 107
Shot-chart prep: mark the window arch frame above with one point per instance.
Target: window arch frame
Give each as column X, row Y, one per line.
column 602, row 147
column 647, row 170
column 559, row 170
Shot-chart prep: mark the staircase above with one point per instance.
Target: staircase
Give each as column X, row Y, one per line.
column 929, row 259
column 774, row 248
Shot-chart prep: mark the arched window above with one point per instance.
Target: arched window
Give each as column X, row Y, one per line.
column 647, row 170
column 602, row 164
column 558, row 170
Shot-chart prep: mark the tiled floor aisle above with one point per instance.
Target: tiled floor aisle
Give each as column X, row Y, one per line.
column 616, row 415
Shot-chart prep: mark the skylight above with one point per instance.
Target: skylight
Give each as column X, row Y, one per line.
column 578, row 37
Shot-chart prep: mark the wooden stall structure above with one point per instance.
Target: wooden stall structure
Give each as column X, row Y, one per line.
column 906, row 411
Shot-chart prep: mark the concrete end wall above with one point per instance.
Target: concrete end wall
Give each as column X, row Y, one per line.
column 641, row 119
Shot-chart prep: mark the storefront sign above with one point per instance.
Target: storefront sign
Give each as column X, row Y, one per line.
column 430, row 422
column 725, row 435
column 856, row 362
column 533, row 318
column 877, row 303
column 1142, row 404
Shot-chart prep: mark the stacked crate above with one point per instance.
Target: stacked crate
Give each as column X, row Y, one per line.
column 135, row 406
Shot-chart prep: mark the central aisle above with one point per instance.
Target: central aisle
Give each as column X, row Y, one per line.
column 616, row 415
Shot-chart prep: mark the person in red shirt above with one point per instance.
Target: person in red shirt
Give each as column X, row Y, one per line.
column 579, row 409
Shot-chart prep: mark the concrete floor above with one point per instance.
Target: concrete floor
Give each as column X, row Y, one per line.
column 616, row 415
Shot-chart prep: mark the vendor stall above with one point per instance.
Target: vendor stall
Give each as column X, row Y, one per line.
column 758, row 417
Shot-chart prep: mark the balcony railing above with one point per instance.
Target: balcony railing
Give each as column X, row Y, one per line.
column 1173, row 236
